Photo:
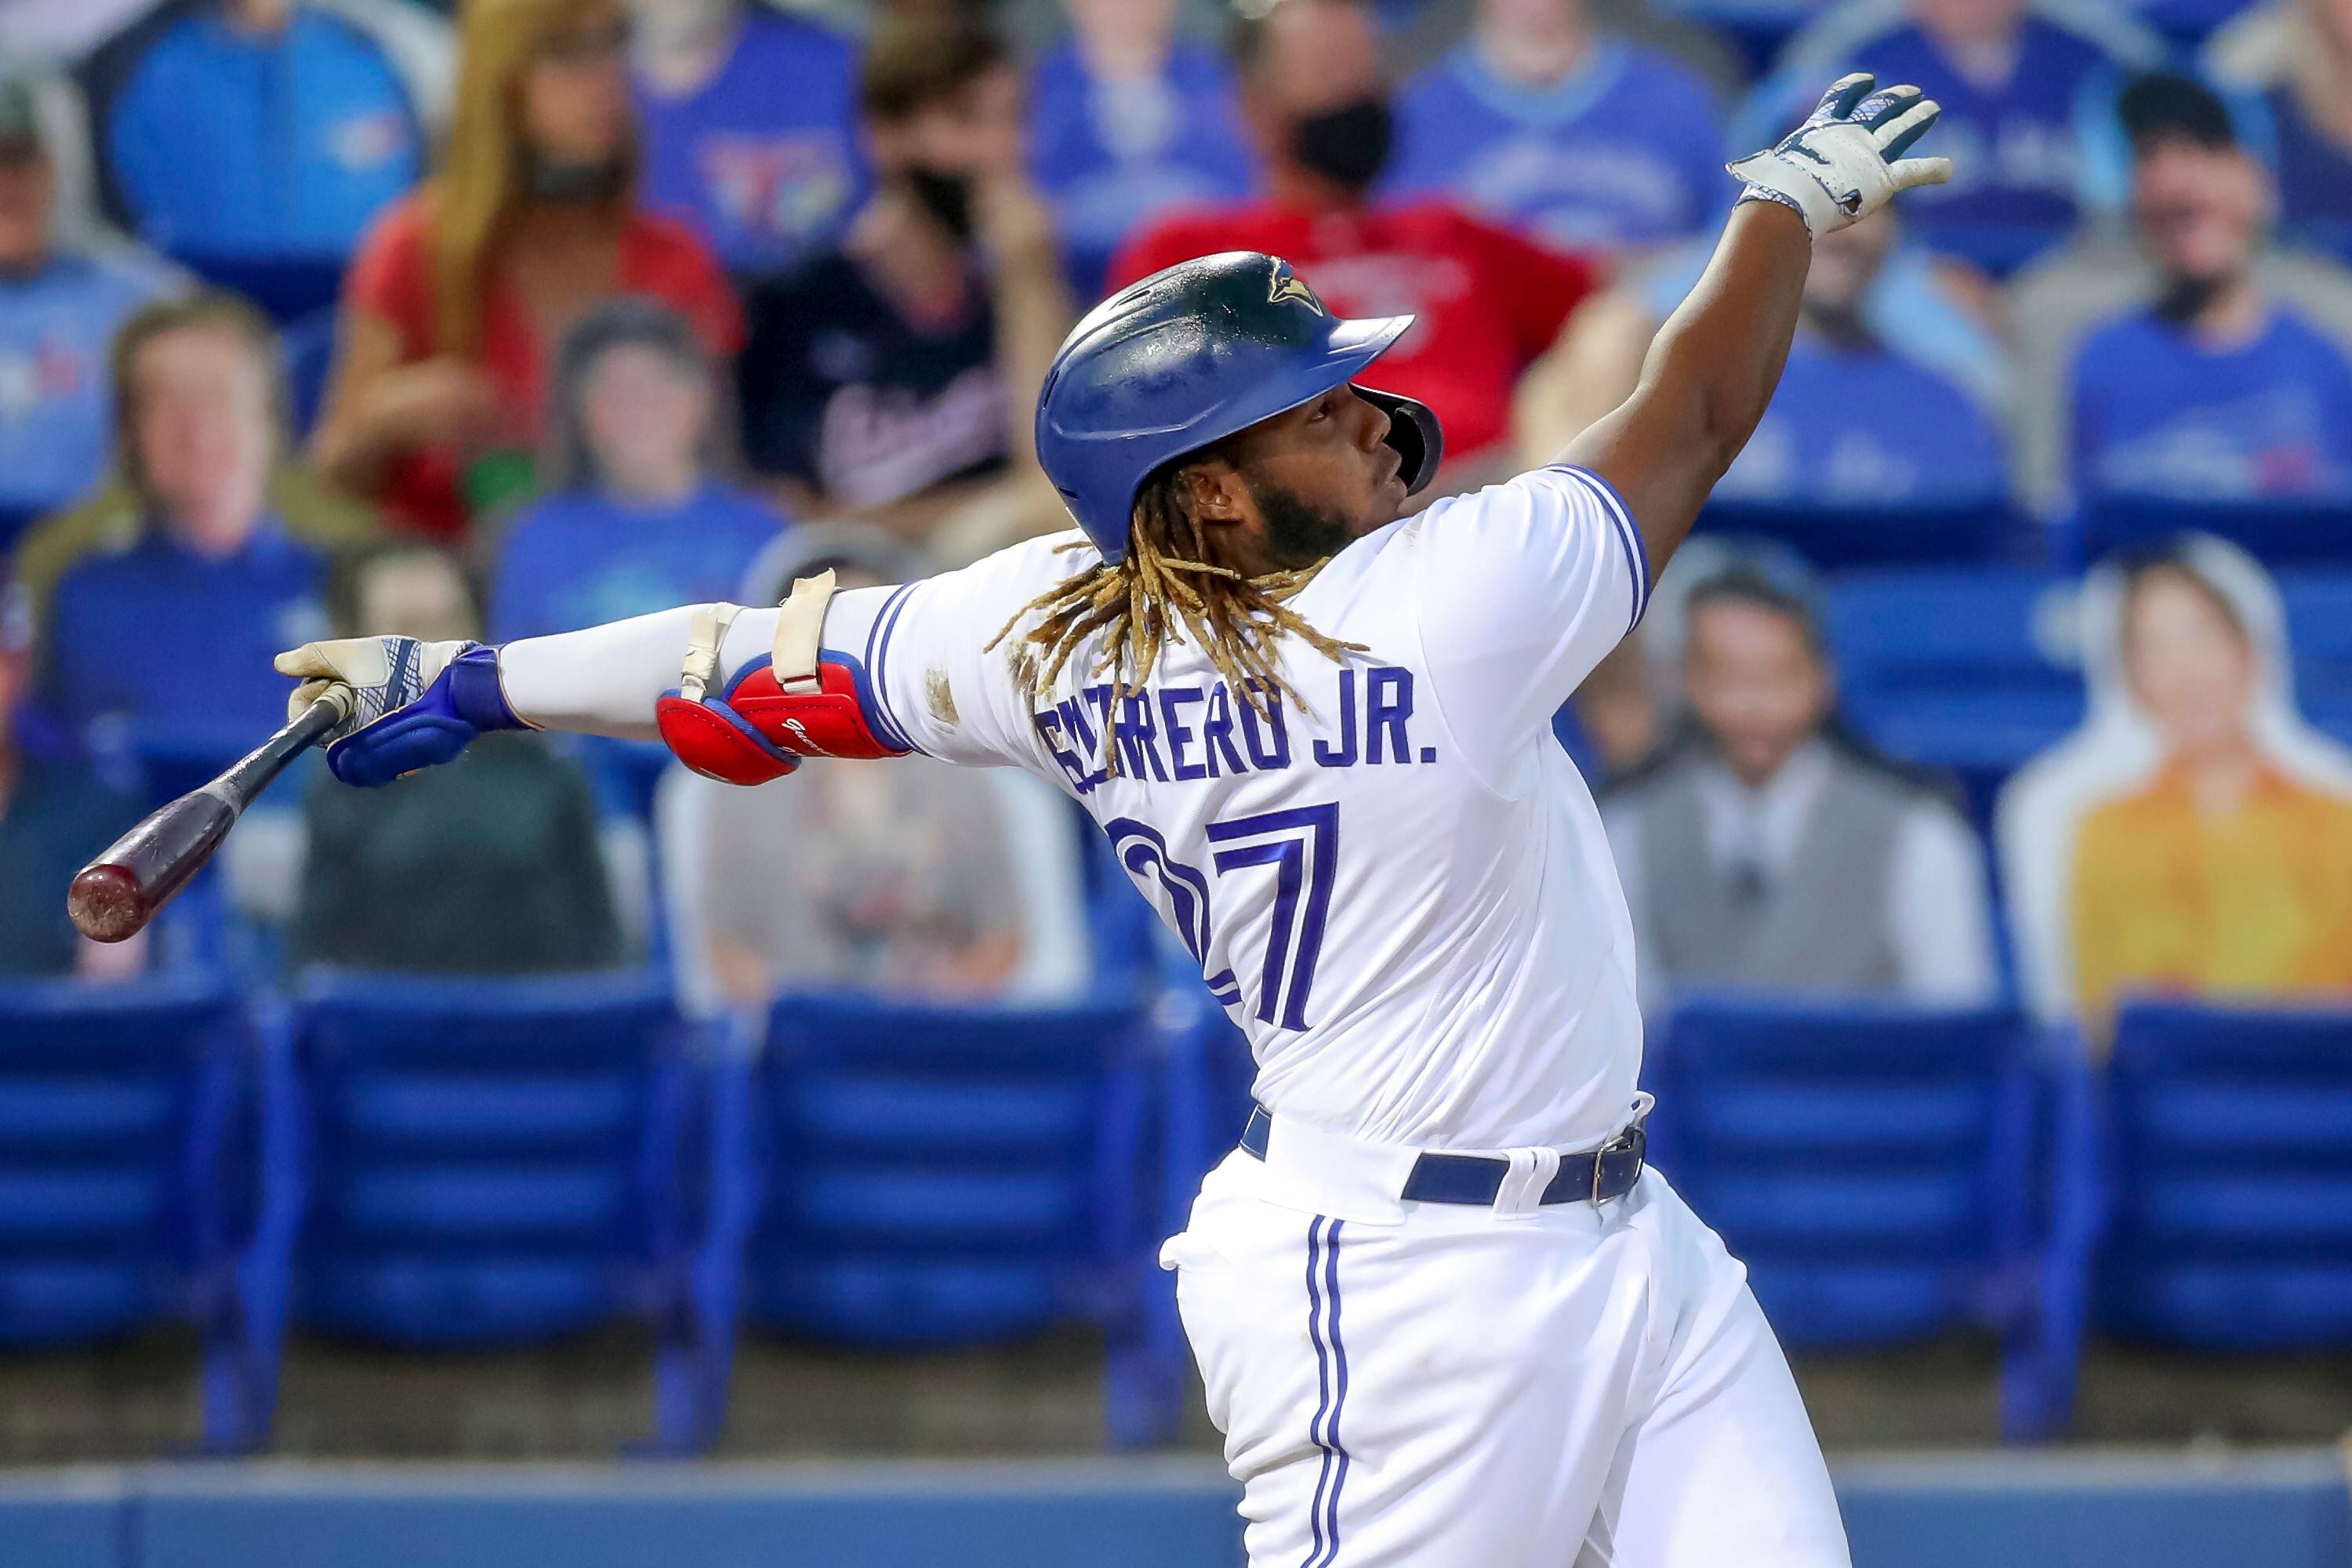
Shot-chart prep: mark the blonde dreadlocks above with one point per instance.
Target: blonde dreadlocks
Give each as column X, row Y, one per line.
column 1167, row 588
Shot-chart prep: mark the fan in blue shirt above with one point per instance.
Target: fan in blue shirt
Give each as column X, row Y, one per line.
column 1127, row 123
column 2028, row 96
column 634, row 521
column 58, row 311
column 1586, row 144
column 1857, row 421
column 259, row 129
column 749, row 122
column 163, row 639
column 2214, row 391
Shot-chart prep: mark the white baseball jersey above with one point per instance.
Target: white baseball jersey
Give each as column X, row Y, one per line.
column 1400, row 890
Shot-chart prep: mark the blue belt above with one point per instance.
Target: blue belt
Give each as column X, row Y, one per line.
column 1608, row 1172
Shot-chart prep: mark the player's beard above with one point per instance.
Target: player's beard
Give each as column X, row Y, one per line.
column 1297, row 531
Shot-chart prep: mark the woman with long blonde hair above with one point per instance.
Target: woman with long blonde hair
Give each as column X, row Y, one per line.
column 453, row 304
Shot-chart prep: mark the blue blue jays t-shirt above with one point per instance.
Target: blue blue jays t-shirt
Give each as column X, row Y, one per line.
column 228, row 143
column 579, row 559
column 1862, row 426
column 2021, row 148
column 762, row 160
column 208, row 629
column 2156, row 412
column 1111, row 156
column 1626, row 153
column 56, row 408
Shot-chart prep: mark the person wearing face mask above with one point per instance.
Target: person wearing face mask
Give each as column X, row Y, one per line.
column 1487, row 302
column 751, row 126
column 1537, row 116
column 453, row 307
column 889, row 377
column 2212, row 389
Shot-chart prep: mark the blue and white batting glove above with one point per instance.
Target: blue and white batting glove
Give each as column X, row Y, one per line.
column 418, row 702
column 1846, row 162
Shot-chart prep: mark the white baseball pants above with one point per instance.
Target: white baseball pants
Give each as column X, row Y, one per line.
column 1572, row 1386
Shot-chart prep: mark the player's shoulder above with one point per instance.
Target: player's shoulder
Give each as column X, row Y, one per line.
column 998, row 587
column 1536, row 518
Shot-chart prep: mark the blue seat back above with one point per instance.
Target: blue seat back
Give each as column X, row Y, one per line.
column 1868, row 1161
column 125, row 1173
column 939, row 1174
column 2277, row 533
column 1835, row 538
column 486, row 1162
column 1959, row 670
column 2232, row 1217
column 2319, row 629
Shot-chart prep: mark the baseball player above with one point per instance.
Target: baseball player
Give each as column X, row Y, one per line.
column 1444, row 1316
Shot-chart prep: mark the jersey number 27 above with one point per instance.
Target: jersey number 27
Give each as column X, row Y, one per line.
column 1299, row 846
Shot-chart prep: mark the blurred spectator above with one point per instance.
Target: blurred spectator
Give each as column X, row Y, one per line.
column 2295, row 58
column 170, row 629
column 1128, row 120
column 2213, row 390
column 1488, row 301
column 637, row 517
column 1762, row 851
column 749, row 121
column 460, row 291
column 1586, row 142
column 898, row 876
column 262, row 129
column 894, row 377
column 488, row 867
column 2028, row 89
column 2195, row 835
column 1857, row 421
column 54, row 815
column 59, row 308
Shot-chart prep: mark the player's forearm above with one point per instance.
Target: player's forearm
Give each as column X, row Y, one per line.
column 1708, row 376
column 1718, row 357
column 607, row 679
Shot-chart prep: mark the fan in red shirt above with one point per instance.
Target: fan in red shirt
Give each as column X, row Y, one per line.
column 1488, row 301
column 457, row 296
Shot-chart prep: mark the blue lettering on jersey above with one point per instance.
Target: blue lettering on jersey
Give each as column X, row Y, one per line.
column 1186, row 733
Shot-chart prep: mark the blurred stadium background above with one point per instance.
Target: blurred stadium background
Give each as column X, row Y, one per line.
column 552, row 1160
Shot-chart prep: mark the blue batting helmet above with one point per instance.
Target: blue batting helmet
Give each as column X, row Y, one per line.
column 1187, row 357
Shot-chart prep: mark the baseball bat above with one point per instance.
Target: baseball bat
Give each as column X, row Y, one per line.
column 114, row 897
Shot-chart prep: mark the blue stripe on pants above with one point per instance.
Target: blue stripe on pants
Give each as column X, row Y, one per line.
column 1331, row 1370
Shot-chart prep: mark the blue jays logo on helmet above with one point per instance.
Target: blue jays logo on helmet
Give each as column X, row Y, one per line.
column 1287, row 285
column 1187, row 357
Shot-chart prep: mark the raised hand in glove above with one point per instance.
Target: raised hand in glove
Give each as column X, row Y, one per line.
column 418, row 702
column 1846, row 162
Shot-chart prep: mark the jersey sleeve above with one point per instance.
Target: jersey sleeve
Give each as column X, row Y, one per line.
column 1518, row 590
column 930, row 681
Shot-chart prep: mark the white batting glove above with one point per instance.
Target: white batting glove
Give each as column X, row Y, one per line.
column 418, row 703
column 1846, row 162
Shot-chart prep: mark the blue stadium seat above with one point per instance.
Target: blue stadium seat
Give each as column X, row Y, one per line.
column 286, row 287
column 1873, row 1165
column 128, row 1178
column 1956, row 668
column 2319, row 629
column 2279, row 533
column 503, row 1162
column 946, row 1175
column 1836, row 537
column 2231, row 1214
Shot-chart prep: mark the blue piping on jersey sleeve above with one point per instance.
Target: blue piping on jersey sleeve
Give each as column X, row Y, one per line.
column 874, row 694
column 1637, row 557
